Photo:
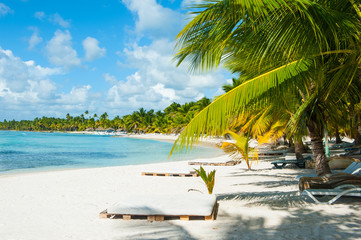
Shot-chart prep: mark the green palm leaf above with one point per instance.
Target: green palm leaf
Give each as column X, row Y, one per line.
column 214, row 119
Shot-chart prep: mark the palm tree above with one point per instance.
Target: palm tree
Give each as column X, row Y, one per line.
column 104, row 116
column 240, row 149
column 228, row 87
column 172, row 108
column 280, row 47
column 202, row 103
column 68, row 117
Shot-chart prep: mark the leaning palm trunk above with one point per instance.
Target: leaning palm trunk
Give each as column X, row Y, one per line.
column 299, row 149
column 358, row 135
column 315, row 129
column 337, row 135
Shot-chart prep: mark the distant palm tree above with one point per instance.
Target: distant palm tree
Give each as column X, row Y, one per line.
column 68, row 117
column 228, row 87
column 104, row 116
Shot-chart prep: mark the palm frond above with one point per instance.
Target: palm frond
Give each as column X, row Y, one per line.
column 214, row 119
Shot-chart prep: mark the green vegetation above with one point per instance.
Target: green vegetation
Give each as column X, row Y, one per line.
column 171, row 120
column 208, row 178
column 240, row 149
column 298, row 61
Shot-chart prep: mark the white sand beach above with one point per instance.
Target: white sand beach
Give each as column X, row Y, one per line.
column 258, row 204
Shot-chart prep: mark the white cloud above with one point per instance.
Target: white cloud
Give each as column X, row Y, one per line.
column 77, row 95
column 24, row 82
column 53, row 18
column 153, row 19
column 110, row 78
column 157, row 82
column 92, row 49
column 4, row 10
column 201, row 81
column 39, row 15
column 57, row 19
column 26, row 91
column 166, row 93
column 60, row 51
column 34, row 39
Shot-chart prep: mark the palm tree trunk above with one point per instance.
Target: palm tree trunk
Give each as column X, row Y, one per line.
column 284, row 139
column 290, row 142
column 299, row 149
column 337, row 135
column 315, row 129
column 358, row 135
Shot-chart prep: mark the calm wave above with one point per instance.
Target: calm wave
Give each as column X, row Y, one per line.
column 33, row 151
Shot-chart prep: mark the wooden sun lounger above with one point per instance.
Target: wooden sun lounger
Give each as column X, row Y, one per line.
column 352, row 151
column 158, row 174
column 343, row 190
column 349, row 149
column 272, row 152
column 301, row 163
column 151, row 218
column 229, row 163
column 155, row 207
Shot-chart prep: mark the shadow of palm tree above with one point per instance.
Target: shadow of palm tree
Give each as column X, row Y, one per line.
column 140, row 229
column 299, row 224
column 271, row 199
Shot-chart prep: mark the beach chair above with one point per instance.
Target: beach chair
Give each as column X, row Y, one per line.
column 352, row 151
column 170, row 174
column 301, row 163
column 281, row 152
column 354, row 169
column 322, row 196
column 155, row 207
column 218, row 161
column 228, row 163
column 341, row 145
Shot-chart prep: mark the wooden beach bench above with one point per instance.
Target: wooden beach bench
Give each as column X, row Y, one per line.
column 229, row 163
column 188, row 206
column 301, row 163
column 161, row 174
column 272, row 152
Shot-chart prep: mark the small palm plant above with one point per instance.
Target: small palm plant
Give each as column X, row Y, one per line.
column 208, row 178
column 240, row 149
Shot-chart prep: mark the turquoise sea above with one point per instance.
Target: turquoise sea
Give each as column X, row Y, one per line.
column 34, row 151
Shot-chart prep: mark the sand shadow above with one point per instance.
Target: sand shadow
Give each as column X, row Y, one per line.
column 140, row 229
column 299, row 224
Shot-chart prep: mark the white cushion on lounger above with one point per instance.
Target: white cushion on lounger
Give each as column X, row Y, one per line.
column 191, row 204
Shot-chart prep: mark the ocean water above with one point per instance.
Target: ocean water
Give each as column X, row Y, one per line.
column 34, row 151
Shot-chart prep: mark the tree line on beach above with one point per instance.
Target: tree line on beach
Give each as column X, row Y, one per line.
column 171, row 120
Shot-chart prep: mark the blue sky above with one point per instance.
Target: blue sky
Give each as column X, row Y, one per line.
column 114, row 56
